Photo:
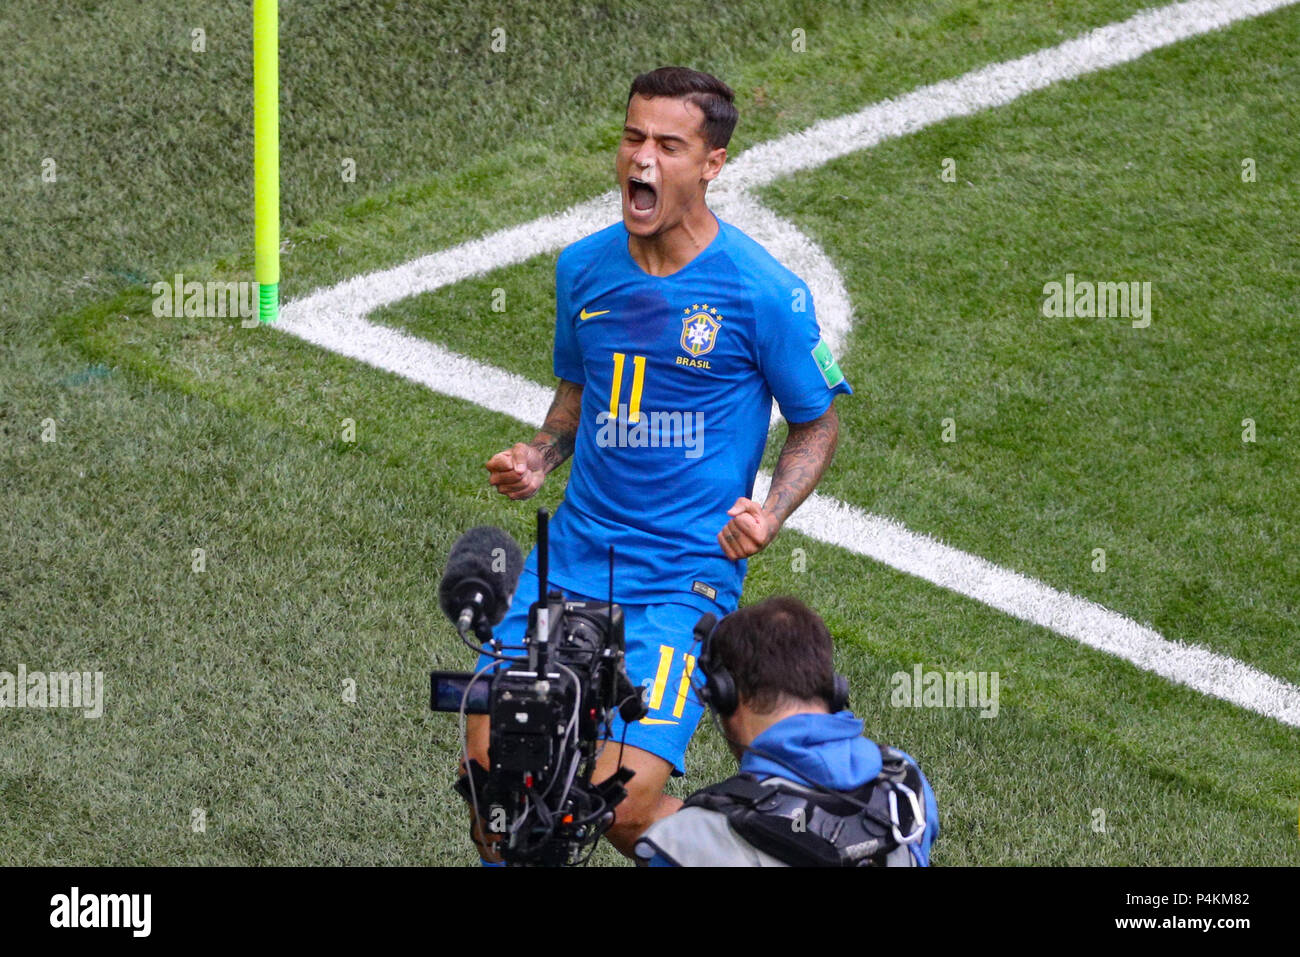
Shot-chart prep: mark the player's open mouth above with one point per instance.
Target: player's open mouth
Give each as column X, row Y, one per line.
column 641, row 196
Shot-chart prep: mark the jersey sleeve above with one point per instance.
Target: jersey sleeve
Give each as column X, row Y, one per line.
column 567, row 360
column 796, row 363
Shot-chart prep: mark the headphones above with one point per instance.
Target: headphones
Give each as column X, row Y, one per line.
column 719, row 689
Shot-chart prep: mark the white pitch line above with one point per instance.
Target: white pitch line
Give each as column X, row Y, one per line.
column 991, row 86
column 802, row 256
column 1020, row 596
column 335, row 318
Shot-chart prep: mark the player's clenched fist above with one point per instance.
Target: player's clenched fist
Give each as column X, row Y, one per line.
column 750, row 530
column 517, row 472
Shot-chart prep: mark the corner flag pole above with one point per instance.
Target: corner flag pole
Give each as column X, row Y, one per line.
column 266, row 156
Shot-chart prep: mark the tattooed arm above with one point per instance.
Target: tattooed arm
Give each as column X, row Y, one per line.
column 807, row 451
column 519, row 471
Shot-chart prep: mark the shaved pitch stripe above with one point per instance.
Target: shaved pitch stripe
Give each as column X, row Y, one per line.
column 334, row 318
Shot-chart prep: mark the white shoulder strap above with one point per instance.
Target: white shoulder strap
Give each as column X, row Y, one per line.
column 698, row 837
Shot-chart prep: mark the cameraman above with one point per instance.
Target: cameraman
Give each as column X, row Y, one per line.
column 771, row 682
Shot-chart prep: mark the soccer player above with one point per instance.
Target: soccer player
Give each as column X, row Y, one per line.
column 674, row 332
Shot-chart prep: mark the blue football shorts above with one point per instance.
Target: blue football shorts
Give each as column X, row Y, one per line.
column 660, row 658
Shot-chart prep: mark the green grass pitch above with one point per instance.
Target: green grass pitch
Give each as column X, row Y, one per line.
column 224, row 688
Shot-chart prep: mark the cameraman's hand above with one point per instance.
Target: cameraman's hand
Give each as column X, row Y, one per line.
column 750, row 530
column 517, row 472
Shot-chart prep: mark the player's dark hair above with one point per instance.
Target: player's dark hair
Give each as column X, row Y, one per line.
column 711, row 95
column 776, row 650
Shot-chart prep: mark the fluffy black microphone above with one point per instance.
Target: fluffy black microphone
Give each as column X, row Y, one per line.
column 482, row 572
column 632, row 706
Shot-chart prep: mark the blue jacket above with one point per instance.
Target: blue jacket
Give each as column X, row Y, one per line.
column 827, row 750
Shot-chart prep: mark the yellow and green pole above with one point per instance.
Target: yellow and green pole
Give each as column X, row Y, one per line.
column 266, row 156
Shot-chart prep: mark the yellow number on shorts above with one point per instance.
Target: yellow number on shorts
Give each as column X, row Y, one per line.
column 666, row 653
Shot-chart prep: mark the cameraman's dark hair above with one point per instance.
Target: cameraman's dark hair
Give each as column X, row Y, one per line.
column 711, row 95
column 776, row 650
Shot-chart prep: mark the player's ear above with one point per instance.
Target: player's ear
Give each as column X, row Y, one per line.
column 713, row 164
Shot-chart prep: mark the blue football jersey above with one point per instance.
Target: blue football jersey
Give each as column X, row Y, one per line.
column 678, row 375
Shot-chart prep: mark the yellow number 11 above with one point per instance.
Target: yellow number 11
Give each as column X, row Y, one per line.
column 656, row 698
column 638, row 380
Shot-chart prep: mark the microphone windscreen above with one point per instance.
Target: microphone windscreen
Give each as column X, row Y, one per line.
column 485, row 559
column 632, row 706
